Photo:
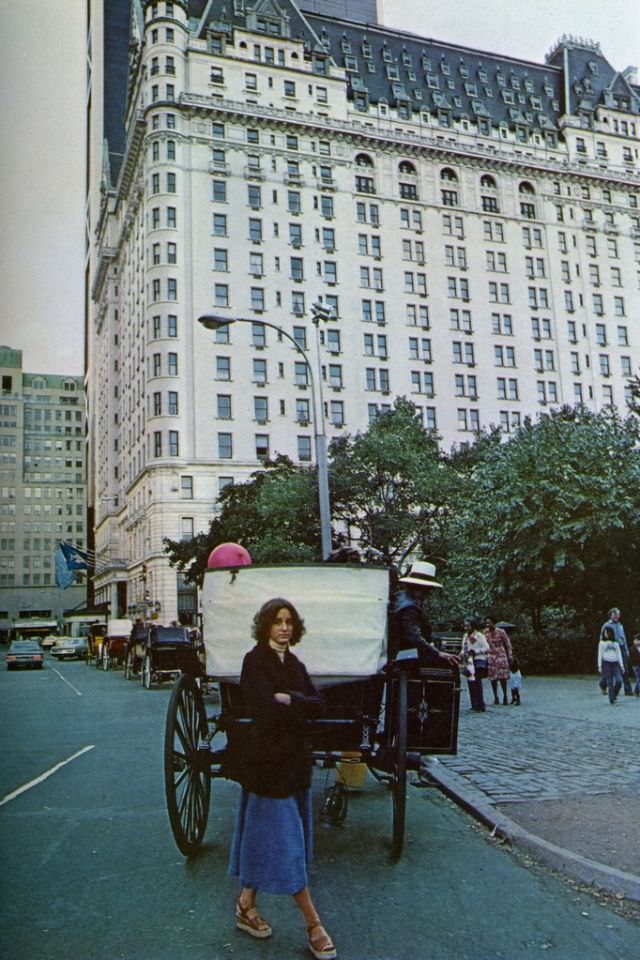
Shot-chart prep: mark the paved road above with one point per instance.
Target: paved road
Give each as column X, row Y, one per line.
column 91, row 871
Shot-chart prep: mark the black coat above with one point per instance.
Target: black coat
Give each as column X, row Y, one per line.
column 276, row 756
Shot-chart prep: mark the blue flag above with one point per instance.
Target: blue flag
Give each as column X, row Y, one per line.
column 76, row 559
column 64, row 576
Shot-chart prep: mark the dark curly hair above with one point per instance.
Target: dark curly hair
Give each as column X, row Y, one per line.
column 266, row 615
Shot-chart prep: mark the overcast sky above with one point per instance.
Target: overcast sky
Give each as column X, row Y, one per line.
column 42, row 71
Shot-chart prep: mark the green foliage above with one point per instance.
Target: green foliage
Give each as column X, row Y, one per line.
column 553, row 516
column 274, row 515
column 393, row 486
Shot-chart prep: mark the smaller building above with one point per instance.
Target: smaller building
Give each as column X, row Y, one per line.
column 42, row 489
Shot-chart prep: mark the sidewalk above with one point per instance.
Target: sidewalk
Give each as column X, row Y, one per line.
column 558, row 776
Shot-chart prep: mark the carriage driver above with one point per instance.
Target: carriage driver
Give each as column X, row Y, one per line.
column 410, row 628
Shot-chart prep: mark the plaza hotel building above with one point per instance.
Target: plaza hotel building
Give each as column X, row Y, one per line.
column 470, row 220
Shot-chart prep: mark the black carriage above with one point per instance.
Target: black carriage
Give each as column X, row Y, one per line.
column 388, row 715
column 167, row 651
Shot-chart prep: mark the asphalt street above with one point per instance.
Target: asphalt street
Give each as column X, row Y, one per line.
column 91, row 872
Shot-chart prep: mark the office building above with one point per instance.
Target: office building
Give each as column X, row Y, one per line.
column 470, row 220
column 42, row 489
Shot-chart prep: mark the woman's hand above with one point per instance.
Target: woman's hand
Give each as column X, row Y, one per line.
column 284, row 698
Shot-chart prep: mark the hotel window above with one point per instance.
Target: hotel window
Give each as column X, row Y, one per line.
column 502, row 323
column 225, row 446
column 294, row 201
column 335, row 375
column 259, row 368
column 255, row 230
column 326, row 207
column 598, row 307
column 601, row 335
column 220, row 259
column 493, row 231
column 605, row 368
column 618, row 306
column 300, row 373
column 219, row 225
column 172, row 288
column 221, row 295
column 172, row 403
column 223, row 406
column 460, row 320
column 172, row 253
column 625, row 366
column 297, row 303
column 219, row 191
column 261, row 409
column 254, row 196
column 336, row 413
column 623, row 336
column 157, row 443
column 172, row 362
column 258, row 335
column 499, row 292
column 497, row 261
column 223, row 368
column 171, row 183
column 616, row 277
column 304, row 449
column 453, row 226
column 302, row 411
column 295, row 234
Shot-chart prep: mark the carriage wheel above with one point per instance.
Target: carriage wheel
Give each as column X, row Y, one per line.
column 399, row 762
column 105, row 656
column 186, row 768
column 147, row 672
column 128, row 666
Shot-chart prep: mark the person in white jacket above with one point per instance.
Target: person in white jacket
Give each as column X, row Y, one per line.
column 610, row 662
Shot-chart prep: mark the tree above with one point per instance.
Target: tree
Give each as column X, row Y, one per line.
column 274, row 515
column 552, row 517
column 393, row 486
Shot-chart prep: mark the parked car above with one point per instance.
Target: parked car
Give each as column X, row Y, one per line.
column 70, row 648
column 24, row 653
column 47, row 642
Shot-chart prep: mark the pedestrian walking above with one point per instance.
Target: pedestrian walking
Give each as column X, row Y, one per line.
column 515, row 681
column 618, row 629
column 272, row 842
column 610, row 663
column 475, row 660
column 500, row 653
column 634, row 662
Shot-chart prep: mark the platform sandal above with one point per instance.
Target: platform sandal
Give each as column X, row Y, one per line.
column 319, row 942
column 249, row 920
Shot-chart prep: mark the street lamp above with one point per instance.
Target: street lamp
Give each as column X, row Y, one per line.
column 320, row 312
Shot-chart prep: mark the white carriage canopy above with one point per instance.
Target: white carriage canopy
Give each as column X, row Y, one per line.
column 344, row 609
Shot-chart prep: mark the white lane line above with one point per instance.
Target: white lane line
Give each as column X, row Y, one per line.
column 64, row 680
column 44, row 776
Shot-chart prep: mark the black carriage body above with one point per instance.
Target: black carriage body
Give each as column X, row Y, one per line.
column 387, row 715
column 169, row 651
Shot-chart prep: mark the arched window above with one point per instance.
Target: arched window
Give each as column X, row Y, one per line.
column 527, row 204
column 489, row 194
column 406, row 166
column 449, row 194
column 364, row 182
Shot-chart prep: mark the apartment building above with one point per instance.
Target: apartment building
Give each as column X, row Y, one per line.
column 42, row 488
column 468, row 221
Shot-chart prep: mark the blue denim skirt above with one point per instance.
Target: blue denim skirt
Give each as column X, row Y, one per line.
column 272, row 842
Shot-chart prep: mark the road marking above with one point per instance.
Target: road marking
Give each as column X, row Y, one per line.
column 44, row 776
column 64, row 680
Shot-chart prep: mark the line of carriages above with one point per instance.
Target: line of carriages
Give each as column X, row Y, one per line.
column 149, row 652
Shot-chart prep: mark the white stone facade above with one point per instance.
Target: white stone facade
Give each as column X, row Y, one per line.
column 485, row 278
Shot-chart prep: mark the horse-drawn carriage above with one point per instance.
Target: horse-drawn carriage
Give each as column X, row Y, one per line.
column 115, row 643
column 388, row 714
column 168, row 651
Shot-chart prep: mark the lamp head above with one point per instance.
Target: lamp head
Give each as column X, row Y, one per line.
column 213, row 322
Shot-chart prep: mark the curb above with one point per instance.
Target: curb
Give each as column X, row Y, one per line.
column 572, row 864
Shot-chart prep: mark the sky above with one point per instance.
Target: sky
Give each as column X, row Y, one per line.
column 42, row 64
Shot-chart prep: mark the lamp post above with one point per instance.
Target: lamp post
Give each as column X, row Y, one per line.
column 320, row 312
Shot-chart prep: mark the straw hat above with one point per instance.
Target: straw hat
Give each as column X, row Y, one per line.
column 420, row 574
